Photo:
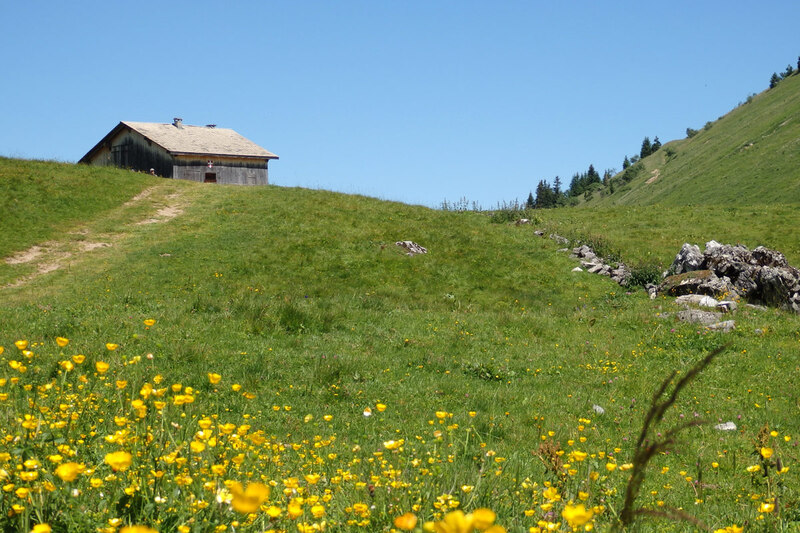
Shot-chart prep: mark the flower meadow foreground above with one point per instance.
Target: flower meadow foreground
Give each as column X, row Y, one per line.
column 103, row 442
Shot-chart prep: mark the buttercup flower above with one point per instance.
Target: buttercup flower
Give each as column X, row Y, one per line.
column 69, row 471
column 119, row 461
column 576, row 515
column 406, row 522
column 248, row 500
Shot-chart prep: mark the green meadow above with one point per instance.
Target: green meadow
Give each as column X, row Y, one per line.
column 269, row 360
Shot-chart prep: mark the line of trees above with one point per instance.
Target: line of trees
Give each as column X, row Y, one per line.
column 547, row 195
column 585, row 183
column 777, row 78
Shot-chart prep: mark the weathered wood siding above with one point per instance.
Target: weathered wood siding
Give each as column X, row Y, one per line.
column 226, row 170
column 130, row 150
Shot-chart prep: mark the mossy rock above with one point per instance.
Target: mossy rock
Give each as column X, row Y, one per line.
column 694, row 282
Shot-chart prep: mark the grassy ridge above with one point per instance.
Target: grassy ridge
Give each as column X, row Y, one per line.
column 750, row 156
column 301, row 299
column 39, row 199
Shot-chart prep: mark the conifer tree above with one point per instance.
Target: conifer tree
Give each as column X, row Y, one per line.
column 542, row 195
column 774, row 80
column 655, row 146
column 557, row 187
column 592, row 176
column 530, row 203
column 626, row 163
column 647, row 148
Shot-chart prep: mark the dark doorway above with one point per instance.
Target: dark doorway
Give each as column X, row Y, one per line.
column 211, row 177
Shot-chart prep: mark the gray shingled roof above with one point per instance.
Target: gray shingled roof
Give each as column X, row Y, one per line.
column 199, row 140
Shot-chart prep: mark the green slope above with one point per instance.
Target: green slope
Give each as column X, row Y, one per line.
column 749, row 156
column 40, row 198
column 301, row 298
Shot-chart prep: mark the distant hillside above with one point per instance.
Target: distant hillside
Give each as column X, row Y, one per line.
column 749, row 156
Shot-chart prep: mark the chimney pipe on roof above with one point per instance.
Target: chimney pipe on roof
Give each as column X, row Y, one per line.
column 177, row 122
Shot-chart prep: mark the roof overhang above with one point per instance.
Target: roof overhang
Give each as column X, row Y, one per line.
column 97, row 147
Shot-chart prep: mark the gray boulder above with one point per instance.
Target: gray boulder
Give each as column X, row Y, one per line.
column 697, row 299
column 723, row 327
column 703, row 282
column 688, row 259
column 766, row 257
column 412, row 248
column 695, row 316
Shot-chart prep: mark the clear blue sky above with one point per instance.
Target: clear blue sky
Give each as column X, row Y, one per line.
column 415, row 101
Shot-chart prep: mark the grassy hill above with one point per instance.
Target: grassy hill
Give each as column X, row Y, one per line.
column 277, row 336
column 749, row 156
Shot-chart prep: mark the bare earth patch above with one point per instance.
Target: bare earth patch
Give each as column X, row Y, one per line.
column 27, row 256
column 656, row 173
column 139, row 197
column 89, row 246
column 167, row 212
column 43, row 268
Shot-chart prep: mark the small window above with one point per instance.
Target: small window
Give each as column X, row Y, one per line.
column 211, row 177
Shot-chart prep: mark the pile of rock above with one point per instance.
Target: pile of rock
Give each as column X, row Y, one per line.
column 412, row 248
column 761, row 276
column 722, row 272
column 596, row 265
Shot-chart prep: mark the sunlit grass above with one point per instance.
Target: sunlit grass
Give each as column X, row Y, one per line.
column 101, row 440
column 277, row 338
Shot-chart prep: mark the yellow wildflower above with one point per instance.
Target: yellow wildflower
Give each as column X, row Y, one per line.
column 248, row 500
column 576, row 515
column 69, row 471
column 406, row 522
column 483, row 518
column 118, row 461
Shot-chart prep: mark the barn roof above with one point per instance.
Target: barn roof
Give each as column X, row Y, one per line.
column 192, row 140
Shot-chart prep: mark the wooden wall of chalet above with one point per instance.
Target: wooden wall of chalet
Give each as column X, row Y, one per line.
column 225, row 170
column 130, row 150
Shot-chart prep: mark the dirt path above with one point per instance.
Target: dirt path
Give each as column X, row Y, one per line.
column 655, row 174
column 53, row 255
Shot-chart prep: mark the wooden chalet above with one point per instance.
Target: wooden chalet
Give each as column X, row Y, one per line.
column 197, row 153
